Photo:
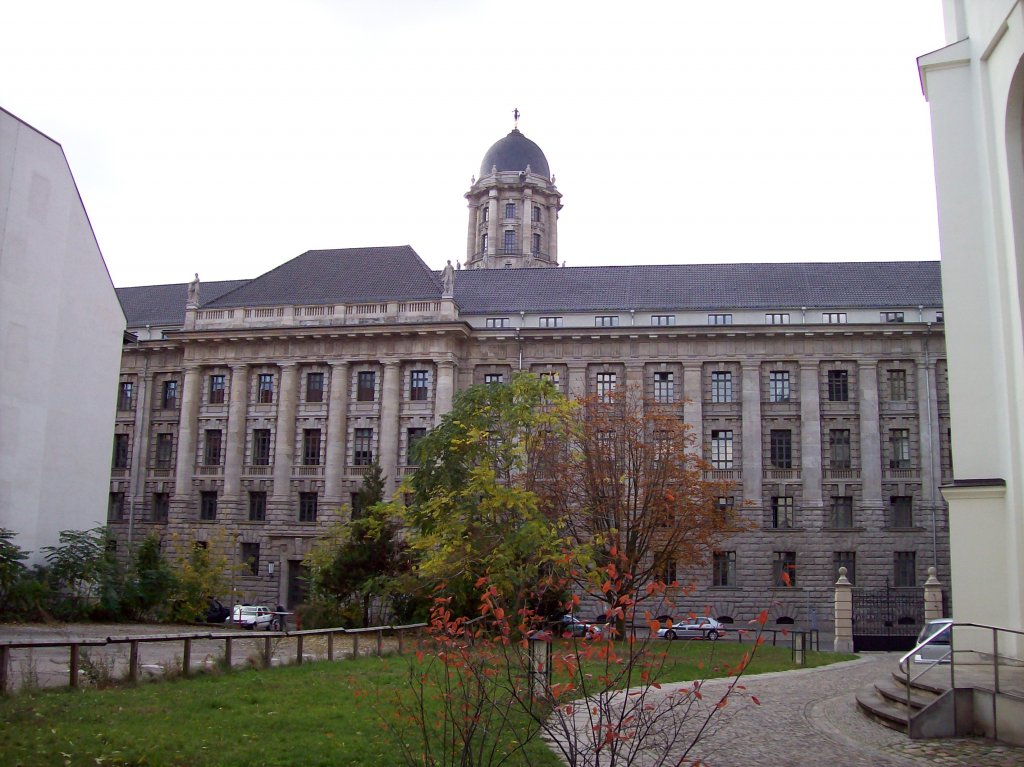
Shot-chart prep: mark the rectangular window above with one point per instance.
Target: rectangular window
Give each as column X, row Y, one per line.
column 412, row 438
column 781, row 448
column 721, row 449
column 550, row 322
column 362, row 447
column 164, row 450
column 217, row 389
column 483, row 242
column 725, row 504
column 115, row 507
column 257, row 506
column 211, row 447
column 310, row 447
column 833, row 318
column 265, row 388
column 783, row 512
column 719, row 319
column 605, row 386
column 208, row 505
column 891, row 317
column 899, row 448
column 366, row 385
column 606, row 321
column 509, row 243
column 778, row 386
column 723, row 568
column 776, row 319
column 251, row 558
column 497, row 322
column 842, row 511
column 669, row 573
column 663, row 320
column 486, row 213
column 418, row 391
column 120, row 458
column 940, row 317
column 847, row 559
column 901, row 511
column 904, row 569
column 169, row 400
column 307, row 507
column 784, row 569
column 357, row 506
column 494, row 378
column 721, row 386
column 261, row 447
column 898, row 385
column 161, row 506
column 535, row 244
column 838, row 386
column 510, row 210
column 664, row 387
column 839, row 449
column 536, row 214
column 314, row 387
column 125, row 398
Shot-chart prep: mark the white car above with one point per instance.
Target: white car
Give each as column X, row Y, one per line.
column 693, row 628
column 938, row 649
column 254, row 617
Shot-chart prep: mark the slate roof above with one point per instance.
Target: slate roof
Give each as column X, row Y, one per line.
column 350, row 275
column 699, row 287
column 165, row 304
column 515, row 152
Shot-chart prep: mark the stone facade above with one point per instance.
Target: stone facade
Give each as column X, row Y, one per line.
column 829, row 415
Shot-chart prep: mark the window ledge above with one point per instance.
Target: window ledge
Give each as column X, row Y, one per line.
column 785, row 529
column 913, row 529
column 843, row 529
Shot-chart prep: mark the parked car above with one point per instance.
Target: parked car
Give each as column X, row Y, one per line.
column 254, row 617
column 215, row 611
column 570, row 624
column 693, row 628
column 939, row 648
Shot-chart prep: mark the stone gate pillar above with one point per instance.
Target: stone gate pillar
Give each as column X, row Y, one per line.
column 932, row 597
column 844, row 614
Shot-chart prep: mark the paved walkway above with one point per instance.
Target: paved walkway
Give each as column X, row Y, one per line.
column 810, row 718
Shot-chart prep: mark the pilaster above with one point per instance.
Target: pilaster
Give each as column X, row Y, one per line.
column 235, row 453
column 810, row 437
column 751, row 457
column 693, row 405
column 445, row 390
column 870, row 436
column 337, row 426
column 284, row 444
column 389, row 409
column 187, row 434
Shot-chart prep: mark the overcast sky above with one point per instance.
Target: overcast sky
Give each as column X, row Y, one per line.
column 227, row 137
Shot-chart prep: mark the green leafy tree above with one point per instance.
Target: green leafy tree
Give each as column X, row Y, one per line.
column 474, row 506
column 85, row 575
column 152, row 583
column 12, row 568
column 200, row 573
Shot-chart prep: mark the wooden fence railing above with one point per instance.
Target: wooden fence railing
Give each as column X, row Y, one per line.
column 75, row 646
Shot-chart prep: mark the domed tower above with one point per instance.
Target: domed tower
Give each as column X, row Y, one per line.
column 513, row 208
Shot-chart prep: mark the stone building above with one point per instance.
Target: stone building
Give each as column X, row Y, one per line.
column 251, row 411
column 60, row 338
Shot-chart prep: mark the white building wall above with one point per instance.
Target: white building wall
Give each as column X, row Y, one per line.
column 61, row 328
column 975, row 87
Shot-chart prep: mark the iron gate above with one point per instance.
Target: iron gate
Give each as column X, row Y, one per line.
column 887, row 619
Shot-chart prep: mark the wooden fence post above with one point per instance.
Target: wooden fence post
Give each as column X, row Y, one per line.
column 355, row 645
column 330, row 647
column 267, row 652
column 133, row 661
column 298, row 650
column 73, row 667
column 186, row 661
column 5, row 659
column 227, row 652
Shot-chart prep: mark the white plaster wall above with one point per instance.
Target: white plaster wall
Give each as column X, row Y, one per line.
column 60, row 339
column 971, row 91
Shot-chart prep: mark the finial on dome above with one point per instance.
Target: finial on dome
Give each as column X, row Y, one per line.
column 515, row 114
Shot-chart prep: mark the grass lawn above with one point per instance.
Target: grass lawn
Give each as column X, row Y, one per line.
column 314, row 714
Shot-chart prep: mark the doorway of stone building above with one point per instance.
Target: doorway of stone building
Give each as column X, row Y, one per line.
column 298, row 583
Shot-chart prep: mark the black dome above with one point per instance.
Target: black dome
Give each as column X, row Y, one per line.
column 515, row 152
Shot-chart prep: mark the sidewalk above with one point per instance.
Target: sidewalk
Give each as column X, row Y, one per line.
column 809, row 718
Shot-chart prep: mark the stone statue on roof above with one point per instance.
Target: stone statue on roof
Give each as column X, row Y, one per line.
column 448, row 281
column 193, row 292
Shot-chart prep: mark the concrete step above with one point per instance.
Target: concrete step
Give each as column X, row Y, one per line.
column 881, row 709
column 935, row 688
column 896, row 692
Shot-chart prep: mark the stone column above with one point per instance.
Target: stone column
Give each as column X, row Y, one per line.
column 870, row 439
column 235, row 453
column 526, row 224
column 551, row 229
column 693, row 405
column 284, row 444
column 810, row 441
column 932, row 597
column 752, row 461
column 187, row 434
column 843, row 607
column 390, row 402
column 930, row 452
column 492, row 226
column 140, row 450
column 337, row 425
column 635, row 383
column 471, row 241
column 444, row 391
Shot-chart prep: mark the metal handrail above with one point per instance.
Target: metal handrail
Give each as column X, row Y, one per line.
column 904, row 664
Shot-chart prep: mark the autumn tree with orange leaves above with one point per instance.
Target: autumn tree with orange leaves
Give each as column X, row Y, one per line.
column 630, row 487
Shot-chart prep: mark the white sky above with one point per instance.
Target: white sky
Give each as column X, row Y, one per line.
column 228, row 137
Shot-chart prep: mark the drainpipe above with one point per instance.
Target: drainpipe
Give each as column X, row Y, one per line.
column 133, row 479
column 936, row 475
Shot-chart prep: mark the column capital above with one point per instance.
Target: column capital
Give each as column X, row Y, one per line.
column 236, row 366
column 390, row 363
column 290, row 365
column 867, row 363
